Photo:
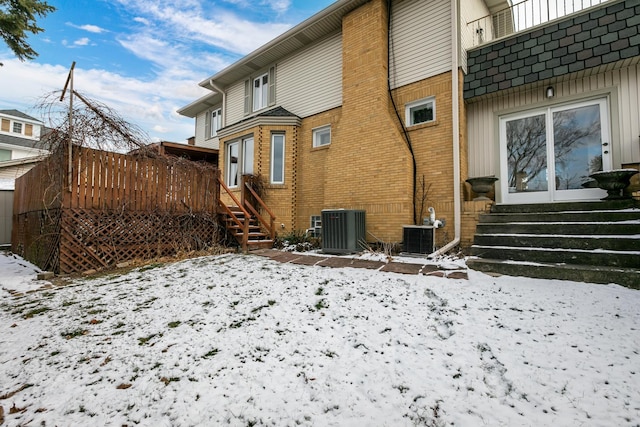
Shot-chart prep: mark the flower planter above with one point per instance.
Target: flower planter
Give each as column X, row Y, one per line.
column 614, row 181
column 481, row 186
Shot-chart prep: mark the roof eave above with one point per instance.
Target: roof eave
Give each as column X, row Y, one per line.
column 200, row 104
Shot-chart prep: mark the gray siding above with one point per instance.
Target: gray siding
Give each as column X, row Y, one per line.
column 596, row 37
column 421, row 41
column 623, row 86
column 310, row 81
column 6, row 214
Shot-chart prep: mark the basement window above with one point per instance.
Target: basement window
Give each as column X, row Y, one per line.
column 422, row 111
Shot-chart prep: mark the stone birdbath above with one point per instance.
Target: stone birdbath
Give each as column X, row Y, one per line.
column 614, row 181
column 481, row 185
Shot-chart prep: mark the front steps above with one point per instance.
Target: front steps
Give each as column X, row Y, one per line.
column 597, row 242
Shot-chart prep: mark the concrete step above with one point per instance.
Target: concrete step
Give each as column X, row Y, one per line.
column 625, row 259
column 569, row 206
column 561, row 228
column 557, row 241
column 565, row 216
column 580, row 273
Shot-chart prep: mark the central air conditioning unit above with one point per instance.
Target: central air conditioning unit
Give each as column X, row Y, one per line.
column 418, row 239
column 343, row 231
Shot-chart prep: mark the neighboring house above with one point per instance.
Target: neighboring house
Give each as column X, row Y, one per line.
column 20, row 143
column 20, row 149
column 388, row 107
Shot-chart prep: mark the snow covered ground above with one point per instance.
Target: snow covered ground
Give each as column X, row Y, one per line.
column 244, row 341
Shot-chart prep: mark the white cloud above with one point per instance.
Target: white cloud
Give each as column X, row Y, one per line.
column 141, row 20
column 88, row 27
column 221, row 28
column 82, row 41
column 151, row 104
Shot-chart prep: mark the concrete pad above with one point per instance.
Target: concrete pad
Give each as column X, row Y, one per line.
column 435, row 273
column 347, row 262
column 308, row 260
column 285, row 257
column 458, row 275
column 402, row 267
column 268, row 253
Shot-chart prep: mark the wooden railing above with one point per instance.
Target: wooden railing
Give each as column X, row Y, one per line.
column 242, row 224
column 270, row 225
column 248, row 210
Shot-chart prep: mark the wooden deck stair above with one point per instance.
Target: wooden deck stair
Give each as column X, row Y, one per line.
column 256, row 237
column 249, row 221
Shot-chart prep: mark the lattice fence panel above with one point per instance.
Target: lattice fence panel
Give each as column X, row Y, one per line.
column 94, row 239
column 37, row 234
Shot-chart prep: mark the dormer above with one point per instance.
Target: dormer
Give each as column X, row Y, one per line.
column 17, row 124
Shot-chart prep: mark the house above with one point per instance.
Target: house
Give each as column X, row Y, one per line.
column 20, row 149
column 389, row 106
column 20, row 143
column 357, row 107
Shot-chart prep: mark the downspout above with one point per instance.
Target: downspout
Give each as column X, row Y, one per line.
column 224, row 101
column 407, row 139
column 455, row 105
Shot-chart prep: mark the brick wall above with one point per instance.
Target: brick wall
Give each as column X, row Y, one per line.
column 598, row 36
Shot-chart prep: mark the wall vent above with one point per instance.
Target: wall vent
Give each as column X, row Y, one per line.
column 418, row 239
column 343, row 231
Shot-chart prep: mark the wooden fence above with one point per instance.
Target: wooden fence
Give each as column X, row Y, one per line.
column 112, row 208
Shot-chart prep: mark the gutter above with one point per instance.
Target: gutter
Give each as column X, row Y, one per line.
column 224, row 101
column 455, row 105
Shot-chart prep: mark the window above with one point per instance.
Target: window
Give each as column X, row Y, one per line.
column 322, row 136
column 216, row 122
column 17, row 127
column 238, row 160
column 28, row 130
column 277, row 158
column 260, row 92
column 316, row 226
column 5, row 125
column 422, row 111
column 5, row 155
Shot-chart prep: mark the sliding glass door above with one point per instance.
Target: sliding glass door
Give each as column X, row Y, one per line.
column 548, row 154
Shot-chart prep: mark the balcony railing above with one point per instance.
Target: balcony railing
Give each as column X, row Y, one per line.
column 522, row 16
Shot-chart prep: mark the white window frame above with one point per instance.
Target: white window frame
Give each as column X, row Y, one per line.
column 260, row 92
column 262, row 96
column 244, row 162
column 280, row 171
column 317, row 136
column 416, row 105
column 215, row 116
column 19, row 125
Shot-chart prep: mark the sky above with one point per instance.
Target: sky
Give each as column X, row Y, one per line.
column 242, row 340
column 143, row 58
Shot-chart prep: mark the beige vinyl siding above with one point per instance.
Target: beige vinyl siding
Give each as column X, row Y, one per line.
column 622, row 85
column 235, row 103
column 421, row 41
column 471, row 10
column 201, row 120
column 310, row 81
column 202, row 132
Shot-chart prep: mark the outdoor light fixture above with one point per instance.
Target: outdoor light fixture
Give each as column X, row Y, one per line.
column 550, row 92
